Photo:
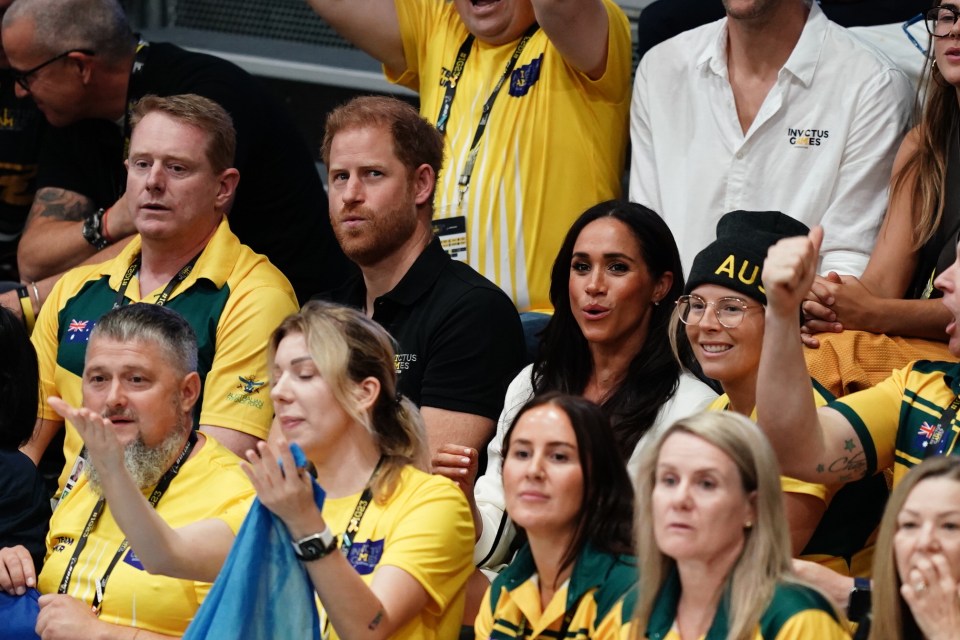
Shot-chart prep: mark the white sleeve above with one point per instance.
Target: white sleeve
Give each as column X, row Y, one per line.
column 859, row 201
column 498, row 531
column 692, row 396
column 644, row 188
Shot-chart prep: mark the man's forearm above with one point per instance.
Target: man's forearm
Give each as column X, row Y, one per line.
column 52, row 240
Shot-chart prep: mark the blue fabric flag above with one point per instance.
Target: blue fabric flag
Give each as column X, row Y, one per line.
column 19, row 615
column 263, row 591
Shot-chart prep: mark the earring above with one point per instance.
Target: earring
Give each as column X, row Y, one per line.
column 748, row 525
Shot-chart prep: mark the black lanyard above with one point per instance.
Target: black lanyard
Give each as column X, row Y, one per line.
column 946, row 419
column 451, row 93
column 94, row 518
column 358, row 512
column 167, row 291
column 346, row 541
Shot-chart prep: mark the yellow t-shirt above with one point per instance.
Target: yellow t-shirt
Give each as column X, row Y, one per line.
column 554, row 145
column 426, row 529
column 210, row 485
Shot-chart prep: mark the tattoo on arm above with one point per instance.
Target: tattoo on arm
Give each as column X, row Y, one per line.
column 850, row 466
column 61, row 204
column 376, row 620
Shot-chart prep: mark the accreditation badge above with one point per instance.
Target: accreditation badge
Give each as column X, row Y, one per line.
column 453, row 236
column 75, row 472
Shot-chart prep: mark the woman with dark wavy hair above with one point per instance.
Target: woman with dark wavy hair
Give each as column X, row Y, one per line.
column 567, row 488
column 612, row 288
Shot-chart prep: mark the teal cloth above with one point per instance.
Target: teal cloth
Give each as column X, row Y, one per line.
column 263, row 591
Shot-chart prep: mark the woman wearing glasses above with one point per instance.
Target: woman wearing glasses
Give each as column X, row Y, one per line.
column 917, row 241
column 723, row 314
column 611, row 287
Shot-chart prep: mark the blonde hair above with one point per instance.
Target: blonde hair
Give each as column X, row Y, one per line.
column 765, row 558
column 892, row 618
column 201, row 113
column 348, row 347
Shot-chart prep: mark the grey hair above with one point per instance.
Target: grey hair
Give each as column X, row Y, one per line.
column 62, row 25
column 154, row 323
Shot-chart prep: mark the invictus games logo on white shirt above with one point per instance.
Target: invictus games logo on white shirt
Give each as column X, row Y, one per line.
column 806, row 138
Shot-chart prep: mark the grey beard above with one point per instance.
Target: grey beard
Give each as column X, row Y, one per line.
column 146, row 465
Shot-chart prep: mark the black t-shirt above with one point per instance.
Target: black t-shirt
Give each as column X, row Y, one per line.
column 459, row 337
column 24, row 505
column 21, row 129
column 280, row 208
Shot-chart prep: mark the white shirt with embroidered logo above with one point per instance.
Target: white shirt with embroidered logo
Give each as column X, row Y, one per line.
column 820, row 148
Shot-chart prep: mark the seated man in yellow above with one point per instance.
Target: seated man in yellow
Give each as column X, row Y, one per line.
column 100, row 570
column 180, row 182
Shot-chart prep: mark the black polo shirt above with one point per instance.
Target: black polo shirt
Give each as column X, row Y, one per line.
column 459, row 339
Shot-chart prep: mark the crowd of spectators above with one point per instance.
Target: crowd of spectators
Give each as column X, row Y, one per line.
column 471, row 389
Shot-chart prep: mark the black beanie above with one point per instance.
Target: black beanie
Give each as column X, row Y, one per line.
column 735, row 259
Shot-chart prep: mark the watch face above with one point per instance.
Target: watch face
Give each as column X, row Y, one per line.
column 315, row 546
column 313, row 549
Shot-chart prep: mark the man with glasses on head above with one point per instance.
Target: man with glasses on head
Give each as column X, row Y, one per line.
column 82, row 65
column 771, row 107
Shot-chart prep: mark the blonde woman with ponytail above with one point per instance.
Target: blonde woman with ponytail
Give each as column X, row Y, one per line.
column 390, row 552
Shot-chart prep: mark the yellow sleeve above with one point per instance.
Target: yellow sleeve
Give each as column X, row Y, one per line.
column 417, row 20
column 44, row 339
column 433, row 541
column 235, row 394
column 792, row 485
column 614, row 85
column 874, row 414
column 812, row 623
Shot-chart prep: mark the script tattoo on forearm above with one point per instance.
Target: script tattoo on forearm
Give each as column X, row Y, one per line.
column 61, row 204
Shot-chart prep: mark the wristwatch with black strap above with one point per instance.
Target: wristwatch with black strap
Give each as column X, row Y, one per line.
column 93, row 230
column 859, row 602
column 315, row 546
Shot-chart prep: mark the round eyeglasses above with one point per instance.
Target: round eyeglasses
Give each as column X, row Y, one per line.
column 729, row 311
column 941, row 20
